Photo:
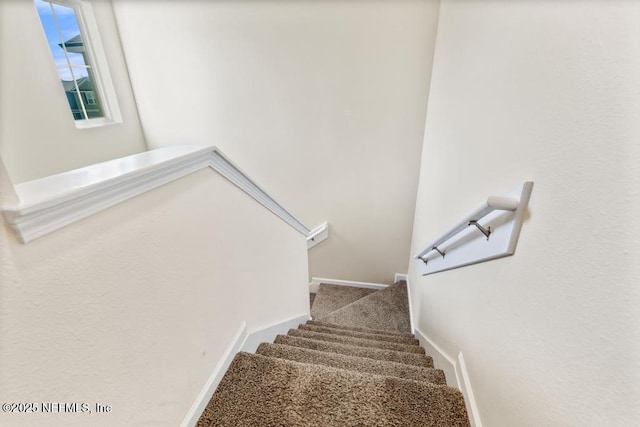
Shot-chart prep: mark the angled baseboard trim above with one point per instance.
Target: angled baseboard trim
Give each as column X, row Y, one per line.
column 467, row 391
column 243, row 340
column 456, row 372
column 268, row 333
column 441, row 359
column 191, row 419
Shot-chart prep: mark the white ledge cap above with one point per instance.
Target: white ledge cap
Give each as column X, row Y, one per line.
column 48, row 204
column 54, row 189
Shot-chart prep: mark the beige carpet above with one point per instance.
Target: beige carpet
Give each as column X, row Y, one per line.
column 387, row 309
column 363, row 330
column 362, row 342
column 329, row 298
column 312, row 297
column 356, row 334
column 358, row 366
column 266, row 391
column 356, row 350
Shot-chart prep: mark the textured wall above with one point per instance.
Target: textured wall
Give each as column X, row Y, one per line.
column 323, row 102
column 134, row 306
column 547, row 91
column 37, row 134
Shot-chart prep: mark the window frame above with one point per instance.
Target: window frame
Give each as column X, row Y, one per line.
column 103, row 83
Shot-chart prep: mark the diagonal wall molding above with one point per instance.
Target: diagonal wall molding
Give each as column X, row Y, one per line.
column 48, row 204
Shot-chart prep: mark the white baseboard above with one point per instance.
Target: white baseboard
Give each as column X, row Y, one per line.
column 411, row 322
column 315, row 281
column 456, row 373
column 399, row 277
column 191, row 419
column 441, row 359
column 243, row 340
column 467, row 392
column 268, row 333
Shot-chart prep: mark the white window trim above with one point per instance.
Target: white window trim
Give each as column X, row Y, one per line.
column 103, row 83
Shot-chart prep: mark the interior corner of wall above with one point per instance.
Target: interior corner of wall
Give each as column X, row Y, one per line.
column 7, row 191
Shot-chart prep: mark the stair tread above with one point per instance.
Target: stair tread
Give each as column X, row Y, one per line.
column 354, row 363
column 265, row 391
column 351, row 350
column 330, row 298
column 359, row 329
column 386, row 309
column 359, row 334
column 362, row 342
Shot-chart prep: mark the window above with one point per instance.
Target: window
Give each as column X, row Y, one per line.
column 90, row 98
column 74, row 42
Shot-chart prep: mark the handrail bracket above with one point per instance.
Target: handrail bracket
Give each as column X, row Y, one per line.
column 435, row 248
column 485, row 231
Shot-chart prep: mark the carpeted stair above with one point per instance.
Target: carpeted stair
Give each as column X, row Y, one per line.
column 338, row 370
column 330, row 298
column 386, row 309
column 356, row 334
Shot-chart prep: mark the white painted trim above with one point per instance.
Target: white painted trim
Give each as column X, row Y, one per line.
column 268, row 333
column 104, row 82
column 452, row 369
column 467, row 391
column 315, row 281
column 191, row 419
column 48, row 204
column 411, row 320
column 318, row 235
column 225, row 167
column 441, row 359
column 243, row 340
column 464, row 245
column 400, row 277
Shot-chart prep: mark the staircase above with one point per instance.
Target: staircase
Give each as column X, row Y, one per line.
column 355, row 364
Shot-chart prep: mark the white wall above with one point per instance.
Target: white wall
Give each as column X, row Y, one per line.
column 37, row 134
column 547, row 91
column 323, row 102
column 133, row 307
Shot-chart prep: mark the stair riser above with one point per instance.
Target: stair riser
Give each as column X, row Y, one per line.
column 356, row 341
column 365, row 330
column 355, row 334
column 349, row 350
column 352, row 363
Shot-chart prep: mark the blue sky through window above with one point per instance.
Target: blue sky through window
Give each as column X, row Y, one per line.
column 69, row 28
column 60, row 25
